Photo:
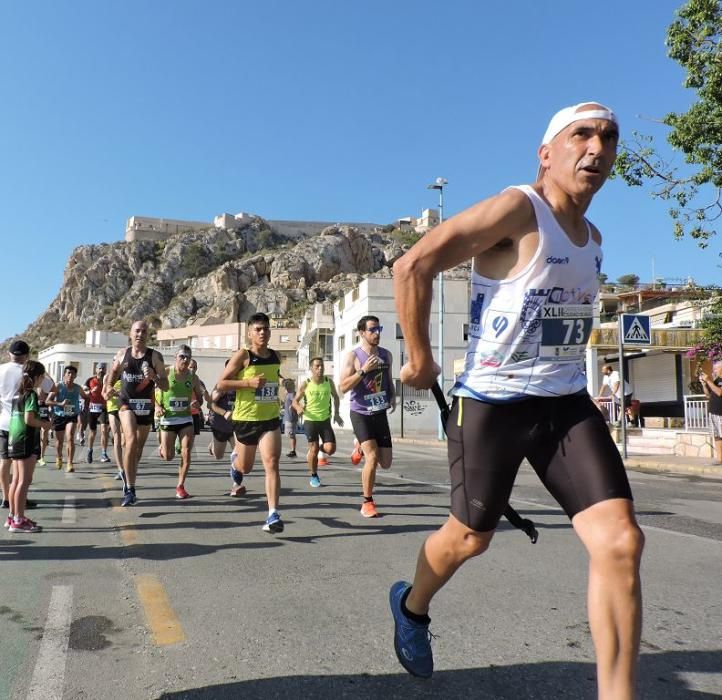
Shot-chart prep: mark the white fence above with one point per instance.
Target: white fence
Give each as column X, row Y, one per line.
column 696, row 416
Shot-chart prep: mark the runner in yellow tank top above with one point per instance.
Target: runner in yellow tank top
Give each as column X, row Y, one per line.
column 254, row 374
column 313, row 402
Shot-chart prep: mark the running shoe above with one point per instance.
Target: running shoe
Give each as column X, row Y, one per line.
column 273, row 523
column 368, row 510
column 292, row 453
column 69, row 468
column 6, row 504
column 82, row 441
column 238, row 490
column 129, row 498
column 58, row 463
column 235, row 474
column 8, row 522
column 124, row 480
column 412, row 640
column 119, row 476
column 315, row 481
column 104, row 457
column 323, row 462
column 41, row 462
column 24, row 525
column 90, row 455
column 356, row 456
column 181, row 493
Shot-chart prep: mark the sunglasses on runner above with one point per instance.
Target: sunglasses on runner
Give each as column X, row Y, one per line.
column 375, row 329
column 181, row 356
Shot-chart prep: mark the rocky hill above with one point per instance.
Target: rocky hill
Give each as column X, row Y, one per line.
column 225, row 274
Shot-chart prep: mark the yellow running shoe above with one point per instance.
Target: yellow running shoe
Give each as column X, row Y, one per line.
column 58, row 463
column 70, row 467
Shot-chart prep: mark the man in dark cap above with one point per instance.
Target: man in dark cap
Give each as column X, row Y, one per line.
column 10, row 375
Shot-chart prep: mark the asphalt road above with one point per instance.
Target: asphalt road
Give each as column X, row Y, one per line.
column 190, row 599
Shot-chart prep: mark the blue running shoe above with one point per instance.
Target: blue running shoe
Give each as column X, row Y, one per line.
column 412, row 640
column 315, row 481
column 274, row 523
column 128, row 498
column 90, row 455
column 235, row 474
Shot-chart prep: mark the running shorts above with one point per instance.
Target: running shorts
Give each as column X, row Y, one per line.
column 59, row 422
column 372, row 427
column 249, row 432
column 197, row 423
column 316, row 429
column 175, row 427
column 95, row 419
column 221, row 435
column 565, row 439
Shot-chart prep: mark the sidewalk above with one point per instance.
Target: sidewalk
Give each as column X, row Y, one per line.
column 699, row 466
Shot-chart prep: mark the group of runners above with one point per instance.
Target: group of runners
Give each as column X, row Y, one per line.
column 138, row 391
column 522, row 394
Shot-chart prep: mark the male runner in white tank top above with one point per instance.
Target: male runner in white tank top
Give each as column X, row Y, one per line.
column 522, row 394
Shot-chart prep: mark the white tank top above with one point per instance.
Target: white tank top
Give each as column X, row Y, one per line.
column 528, row 334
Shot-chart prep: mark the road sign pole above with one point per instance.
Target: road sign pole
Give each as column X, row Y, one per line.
column 622, row 416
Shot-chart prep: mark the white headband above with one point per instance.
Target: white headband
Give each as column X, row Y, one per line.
column 564, row 117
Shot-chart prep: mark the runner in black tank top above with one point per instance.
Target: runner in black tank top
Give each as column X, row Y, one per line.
column 140, row 370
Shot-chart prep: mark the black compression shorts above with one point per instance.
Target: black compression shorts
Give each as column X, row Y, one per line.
column 565, row 439
column 372, row 427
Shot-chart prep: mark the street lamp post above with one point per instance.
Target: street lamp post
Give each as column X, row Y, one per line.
column 438, row 184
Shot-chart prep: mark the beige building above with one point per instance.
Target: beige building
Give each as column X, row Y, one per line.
column 214, row 343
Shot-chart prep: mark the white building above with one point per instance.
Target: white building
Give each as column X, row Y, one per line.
column 99, row 346
column 375, row 296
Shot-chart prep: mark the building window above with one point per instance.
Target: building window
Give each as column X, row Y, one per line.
column 341, row 342
column 284, row 339
column 465, row 332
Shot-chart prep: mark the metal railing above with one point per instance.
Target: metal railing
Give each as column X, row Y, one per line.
column 696, row 415
column 610, row 409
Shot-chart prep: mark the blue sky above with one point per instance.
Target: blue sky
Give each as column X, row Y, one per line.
column 320, row 110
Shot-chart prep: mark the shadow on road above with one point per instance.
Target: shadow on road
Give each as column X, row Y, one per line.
column 661, row 677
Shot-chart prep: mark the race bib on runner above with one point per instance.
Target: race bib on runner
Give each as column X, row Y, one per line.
column 96, row 407
column 69, row 410
column 178, row 403
column 141, row 407
column 565, row 332
column 267, row 393
column 376, row 402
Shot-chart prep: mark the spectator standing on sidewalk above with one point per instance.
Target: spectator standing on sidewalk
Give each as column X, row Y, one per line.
column 712, row 387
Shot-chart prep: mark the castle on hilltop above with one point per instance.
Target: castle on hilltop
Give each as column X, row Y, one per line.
column 148, row 228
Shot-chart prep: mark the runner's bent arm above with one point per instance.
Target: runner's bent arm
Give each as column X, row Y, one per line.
column 113, row 375
column 237, row 363
column 466, row 235
column 296, row 403
column 336, row 403
column 161, row 376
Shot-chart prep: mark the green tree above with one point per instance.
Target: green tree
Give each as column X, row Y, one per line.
column 710, row 346
column 694, row 40
column 602, row 278
column 628, row 280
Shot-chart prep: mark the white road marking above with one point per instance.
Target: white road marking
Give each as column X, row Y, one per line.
column 69, row 512
column 49, row 675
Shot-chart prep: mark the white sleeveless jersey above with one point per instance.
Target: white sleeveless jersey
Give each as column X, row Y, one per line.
column 528, row 334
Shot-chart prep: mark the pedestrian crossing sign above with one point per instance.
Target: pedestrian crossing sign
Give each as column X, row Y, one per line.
column 636, row 329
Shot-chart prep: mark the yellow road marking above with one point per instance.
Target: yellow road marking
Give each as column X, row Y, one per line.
column 164, row 624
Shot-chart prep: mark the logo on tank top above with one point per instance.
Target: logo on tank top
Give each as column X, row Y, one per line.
column 475, row 313
column 553, row 260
